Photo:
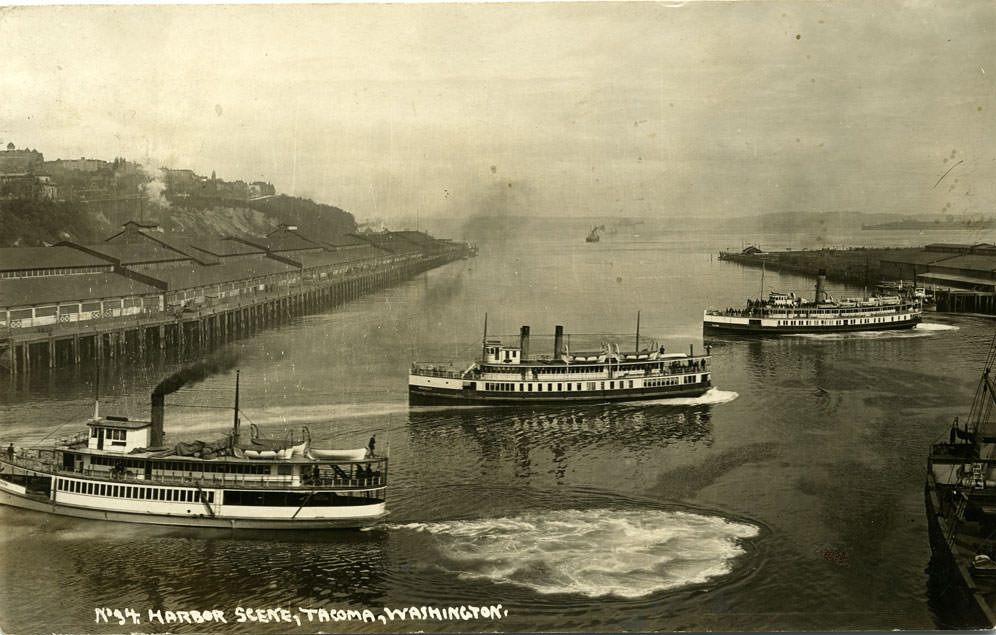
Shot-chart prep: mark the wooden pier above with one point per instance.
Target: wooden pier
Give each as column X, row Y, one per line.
column 193, row 331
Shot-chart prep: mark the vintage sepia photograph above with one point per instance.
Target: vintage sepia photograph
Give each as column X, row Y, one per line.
column 476, row 317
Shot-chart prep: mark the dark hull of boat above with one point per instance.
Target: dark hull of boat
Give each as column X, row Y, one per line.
column 201, row 520
column 962, row 603
column 805, row 330
column 430, row 396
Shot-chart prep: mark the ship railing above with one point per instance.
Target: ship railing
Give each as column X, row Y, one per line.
column 427, row 370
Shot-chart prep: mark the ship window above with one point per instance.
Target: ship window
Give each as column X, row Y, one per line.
column 612, row 385
column 630, row 383
column 549, row 387
column 530, row 387
column 568, row 387
column 93, row 432
column 539, row 387
column 579, row 385
column 103, row 489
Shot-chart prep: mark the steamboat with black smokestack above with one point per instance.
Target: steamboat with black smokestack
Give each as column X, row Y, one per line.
column 787, row 313
column 121, row 469
column 507, row 374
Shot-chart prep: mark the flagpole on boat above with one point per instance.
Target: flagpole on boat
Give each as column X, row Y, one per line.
column 637, row 348
column 484, row 340
column 96, row 394
column 235, row 425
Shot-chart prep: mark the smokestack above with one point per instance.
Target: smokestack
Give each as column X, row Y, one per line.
column 558, row 341
column 156, row 435
column 523, row 343
column 821, row 278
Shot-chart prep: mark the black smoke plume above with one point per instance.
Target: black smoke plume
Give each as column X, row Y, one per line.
column 217, row 363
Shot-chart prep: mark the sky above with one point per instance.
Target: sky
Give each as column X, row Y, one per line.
column 666, row 110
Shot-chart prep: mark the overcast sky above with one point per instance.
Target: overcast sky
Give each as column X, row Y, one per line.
column 550, row 108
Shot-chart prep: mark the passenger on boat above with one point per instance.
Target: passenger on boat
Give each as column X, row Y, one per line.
column 371, row 444
column 10, row 452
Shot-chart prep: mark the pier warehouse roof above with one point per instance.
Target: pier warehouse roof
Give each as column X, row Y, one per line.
column 324, row 259
column 23, row 292
column 421, row 240
column 18, row 262
column 389, row 241
column 194, row 276
column 139, row 257
column 227, row 248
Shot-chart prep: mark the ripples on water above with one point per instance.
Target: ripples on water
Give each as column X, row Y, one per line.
column 773, row 502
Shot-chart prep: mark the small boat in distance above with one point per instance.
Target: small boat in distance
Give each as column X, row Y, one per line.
column 787, row 313
column 121, row 469
column 593, row 236
column 960, row 498
column 507, row 375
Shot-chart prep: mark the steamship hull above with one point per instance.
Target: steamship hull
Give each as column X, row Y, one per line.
column 507, row 376
column 422, row 395
column 782, row 326
column 189, row 517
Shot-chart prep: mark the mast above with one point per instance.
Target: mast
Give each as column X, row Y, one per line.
column 235, row 424
column 96, row 394
column 484, row 340
column 761, row 297
column 637, row 349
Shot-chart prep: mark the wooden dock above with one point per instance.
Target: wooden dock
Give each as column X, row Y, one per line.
column 193, row 331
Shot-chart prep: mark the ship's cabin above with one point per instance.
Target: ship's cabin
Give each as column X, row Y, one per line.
column 118, row 434
column 496, row 353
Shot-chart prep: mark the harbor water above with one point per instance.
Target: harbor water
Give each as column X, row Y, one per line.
column 789, row 497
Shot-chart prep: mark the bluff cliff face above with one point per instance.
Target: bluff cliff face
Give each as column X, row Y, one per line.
column 36, row 222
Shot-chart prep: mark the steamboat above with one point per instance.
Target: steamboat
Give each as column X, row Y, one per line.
column 960, row 499
column 783, row 313
column 119, row 469
column 507, row 375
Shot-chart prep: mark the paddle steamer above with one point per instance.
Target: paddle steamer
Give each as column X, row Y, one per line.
column 120, row 469
column 507, row 375
column 787, row 313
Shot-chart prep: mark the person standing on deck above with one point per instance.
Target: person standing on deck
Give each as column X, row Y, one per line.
column 371, row 444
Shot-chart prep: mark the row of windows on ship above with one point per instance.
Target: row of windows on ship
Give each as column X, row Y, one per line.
column 184, row 466
column 590, row 385
column 233, row 497
column 867, row 310
column 690, row 365
column 877, row 320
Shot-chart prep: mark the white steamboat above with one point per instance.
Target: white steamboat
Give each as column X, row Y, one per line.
column 120, row 470
column 507, row 375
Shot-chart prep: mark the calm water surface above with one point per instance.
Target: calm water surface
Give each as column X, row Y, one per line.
column 788, row 498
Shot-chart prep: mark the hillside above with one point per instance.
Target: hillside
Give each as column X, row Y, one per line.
column 42, row 222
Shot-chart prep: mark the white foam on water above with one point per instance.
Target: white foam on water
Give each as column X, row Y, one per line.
column 923, row 329
column 712, row 396
column 932, row 326
column 597, row 552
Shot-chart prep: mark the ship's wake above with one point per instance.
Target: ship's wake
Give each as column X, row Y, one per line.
column 595, row 552
column 711, row 397
column 924, row 329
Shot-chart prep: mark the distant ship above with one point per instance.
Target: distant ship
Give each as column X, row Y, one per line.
column 960, row 498
column 788, row 313
column 507, row 375
column 592, row 236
